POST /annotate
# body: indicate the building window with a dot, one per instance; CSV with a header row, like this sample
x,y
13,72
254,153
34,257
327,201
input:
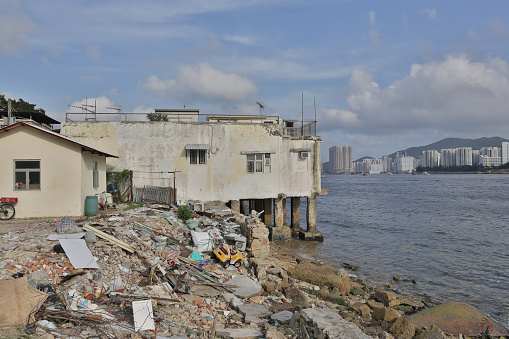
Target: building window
x,y
27,174
257,162
95,175
198,156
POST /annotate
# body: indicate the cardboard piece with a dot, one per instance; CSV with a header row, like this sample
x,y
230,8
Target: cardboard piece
x,y
18,302
143,315
78,253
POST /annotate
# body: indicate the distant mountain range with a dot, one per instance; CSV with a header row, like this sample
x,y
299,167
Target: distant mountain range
x,y
476,144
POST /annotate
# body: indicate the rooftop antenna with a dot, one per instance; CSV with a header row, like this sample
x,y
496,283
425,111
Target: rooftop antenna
x,y
116,108
84,107
261,107
302,110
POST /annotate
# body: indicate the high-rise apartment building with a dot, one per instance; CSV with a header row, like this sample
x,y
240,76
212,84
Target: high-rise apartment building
x,y
430,158
464,156
340,159
505,152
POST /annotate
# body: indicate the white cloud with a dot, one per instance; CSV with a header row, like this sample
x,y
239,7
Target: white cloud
x,y
93,52
203,82
371,16
430,13
240,39
455,95
16,28
143,109
92,78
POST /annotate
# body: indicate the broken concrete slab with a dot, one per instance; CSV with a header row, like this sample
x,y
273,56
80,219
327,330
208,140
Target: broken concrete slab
x,y
256,310
282,317
239,333
247,287
329,324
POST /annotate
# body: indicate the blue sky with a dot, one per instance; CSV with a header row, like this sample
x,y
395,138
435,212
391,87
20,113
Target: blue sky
x,y
386,75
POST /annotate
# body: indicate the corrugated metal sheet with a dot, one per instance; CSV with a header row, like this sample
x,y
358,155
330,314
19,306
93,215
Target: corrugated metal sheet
x,y
198,146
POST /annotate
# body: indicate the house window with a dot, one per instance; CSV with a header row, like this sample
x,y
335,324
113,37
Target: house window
x,y
95,175
27,174
257,162
198,156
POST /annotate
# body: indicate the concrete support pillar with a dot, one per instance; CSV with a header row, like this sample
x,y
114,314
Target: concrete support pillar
x,y
279,211
245,207
295,214
280,232
311,233
258,205
267,216
235,206
311,213
284,212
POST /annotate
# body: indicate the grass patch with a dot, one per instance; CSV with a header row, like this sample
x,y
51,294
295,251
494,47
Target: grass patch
x,y
15,333
133,206
322,275
357,291
330,297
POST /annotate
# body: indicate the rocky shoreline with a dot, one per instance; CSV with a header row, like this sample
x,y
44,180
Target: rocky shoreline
x,y
276,294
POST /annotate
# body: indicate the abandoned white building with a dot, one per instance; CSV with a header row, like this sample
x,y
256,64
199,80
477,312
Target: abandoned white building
x,y
252,162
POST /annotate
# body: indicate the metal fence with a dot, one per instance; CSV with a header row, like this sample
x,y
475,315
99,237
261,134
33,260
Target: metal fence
x,y
296,128
162,195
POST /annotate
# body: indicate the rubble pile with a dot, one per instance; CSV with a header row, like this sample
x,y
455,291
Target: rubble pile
x,y
145,273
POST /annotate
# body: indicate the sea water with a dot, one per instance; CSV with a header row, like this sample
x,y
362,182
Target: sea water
x,y
449,232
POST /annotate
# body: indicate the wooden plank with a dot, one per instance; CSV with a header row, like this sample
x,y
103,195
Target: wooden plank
x,y
111,238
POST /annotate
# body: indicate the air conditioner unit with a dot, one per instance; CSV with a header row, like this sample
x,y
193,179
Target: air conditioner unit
x,y
304,155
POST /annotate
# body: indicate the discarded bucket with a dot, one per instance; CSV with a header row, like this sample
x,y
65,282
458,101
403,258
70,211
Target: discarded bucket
x,y
91,205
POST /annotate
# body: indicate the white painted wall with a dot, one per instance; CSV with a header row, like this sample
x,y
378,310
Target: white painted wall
x,y
62,169
152,149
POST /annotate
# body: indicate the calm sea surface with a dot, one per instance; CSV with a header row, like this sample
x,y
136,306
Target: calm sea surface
x,y
450,232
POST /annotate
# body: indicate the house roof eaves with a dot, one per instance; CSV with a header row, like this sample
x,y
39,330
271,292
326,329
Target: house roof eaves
x,y
60,136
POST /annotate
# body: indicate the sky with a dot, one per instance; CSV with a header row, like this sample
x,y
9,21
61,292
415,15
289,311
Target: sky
x,y
385,75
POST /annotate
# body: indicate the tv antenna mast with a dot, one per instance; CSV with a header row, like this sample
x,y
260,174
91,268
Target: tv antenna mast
x,y
262,107
84,107
117,108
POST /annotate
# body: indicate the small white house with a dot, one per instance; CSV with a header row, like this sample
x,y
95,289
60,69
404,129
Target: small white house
x,y
50,174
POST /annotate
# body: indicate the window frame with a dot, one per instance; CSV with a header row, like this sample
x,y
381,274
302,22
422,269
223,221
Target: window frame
x,y
258,163
95,175
27,171
197,156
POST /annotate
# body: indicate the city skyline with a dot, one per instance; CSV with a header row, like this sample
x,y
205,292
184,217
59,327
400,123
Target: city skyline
x,y
384,75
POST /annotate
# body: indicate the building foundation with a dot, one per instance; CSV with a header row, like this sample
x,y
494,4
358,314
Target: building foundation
x,y
311,232
295,217
267,214
280,232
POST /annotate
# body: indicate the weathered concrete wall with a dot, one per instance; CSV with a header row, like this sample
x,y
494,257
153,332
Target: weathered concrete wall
x,y
152,149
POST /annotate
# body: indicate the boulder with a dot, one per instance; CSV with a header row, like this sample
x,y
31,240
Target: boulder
x,y
385,314
403,328
322,275
384,297
455,318
431,332
361,309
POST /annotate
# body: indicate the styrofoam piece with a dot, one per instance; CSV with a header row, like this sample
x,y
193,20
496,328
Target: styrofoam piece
x,y
143,315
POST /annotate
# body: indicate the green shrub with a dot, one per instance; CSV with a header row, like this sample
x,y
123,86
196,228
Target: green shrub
x,y
133,206
184,213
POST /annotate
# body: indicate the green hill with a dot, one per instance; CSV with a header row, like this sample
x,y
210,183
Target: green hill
x,y
476,144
